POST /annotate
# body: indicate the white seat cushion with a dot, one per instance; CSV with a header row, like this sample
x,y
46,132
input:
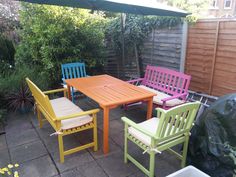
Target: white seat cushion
x,y
149,125
157,99
64,107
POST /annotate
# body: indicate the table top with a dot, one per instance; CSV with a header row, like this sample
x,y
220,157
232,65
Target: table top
x,y
108,91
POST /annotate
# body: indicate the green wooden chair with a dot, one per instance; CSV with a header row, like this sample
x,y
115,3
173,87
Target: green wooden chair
x,y
170,128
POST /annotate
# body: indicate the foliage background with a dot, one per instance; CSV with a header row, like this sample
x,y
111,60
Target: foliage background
x,y
53,35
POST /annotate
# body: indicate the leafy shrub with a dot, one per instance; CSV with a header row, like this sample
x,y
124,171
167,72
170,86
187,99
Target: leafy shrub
x,y
7,52
13,81
3,113
14,94
53,35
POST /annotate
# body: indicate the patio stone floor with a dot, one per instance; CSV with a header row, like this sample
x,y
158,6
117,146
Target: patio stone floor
x,y
37,152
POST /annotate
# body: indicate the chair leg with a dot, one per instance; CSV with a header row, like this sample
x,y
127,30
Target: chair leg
x,y
39,116
125,144
95,135
152,164
72,94
61,148
185,150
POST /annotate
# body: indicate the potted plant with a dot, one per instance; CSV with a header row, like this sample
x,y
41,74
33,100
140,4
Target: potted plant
x,y
21,99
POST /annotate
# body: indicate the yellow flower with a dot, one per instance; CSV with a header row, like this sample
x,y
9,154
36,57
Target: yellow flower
x,y
16,165
5,169
16,174
10,166
1,171
9,173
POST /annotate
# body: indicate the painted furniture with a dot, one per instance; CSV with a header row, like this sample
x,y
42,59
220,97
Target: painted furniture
x,y
170,86
170,128
110,92
64,116
72,70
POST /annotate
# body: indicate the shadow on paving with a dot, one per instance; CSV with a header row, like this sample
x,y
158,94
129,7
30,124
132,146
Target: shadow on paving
x,y
38,156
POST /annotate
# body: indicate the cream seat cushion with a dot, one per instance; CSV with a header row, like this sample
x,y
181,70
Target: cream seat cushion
x,y
64,107
149,125
157,99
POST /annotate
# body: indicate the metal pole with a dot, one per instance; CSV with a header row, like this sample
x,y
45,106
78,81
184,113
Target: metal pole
x,y
183,45
123,16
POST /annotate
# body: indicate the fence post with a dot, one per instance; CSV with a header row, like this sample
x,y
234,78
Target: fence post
x,y
214,57
183,45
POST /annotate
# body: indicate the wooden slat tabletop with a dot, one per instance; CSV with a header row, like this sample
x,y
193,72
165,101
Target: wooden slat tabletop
x,y
107,90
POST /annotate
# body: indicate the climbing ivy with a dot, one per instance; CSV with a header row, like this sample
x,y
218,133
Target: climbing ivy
x,y
136,29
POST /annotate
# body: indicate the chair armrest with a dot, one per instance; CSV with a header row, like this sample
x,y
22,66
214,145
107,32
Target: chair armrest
x,y
173,97
136,126
55,91
93,111
135,81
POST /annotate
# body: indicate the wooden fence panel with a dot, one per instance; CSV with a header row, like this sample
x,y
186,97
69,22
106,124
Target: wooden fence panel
x,y
211,57
163,48
224,80
199,54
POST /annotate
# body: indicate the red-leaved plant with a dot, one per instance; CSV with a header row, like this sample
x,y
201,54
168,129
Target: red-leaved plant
x,y
20,100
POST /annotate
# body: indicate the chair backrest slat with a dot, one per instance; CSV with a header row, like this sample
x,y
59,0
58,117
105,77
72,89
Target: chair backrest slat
x,y
73,70
177,120
166,80
42,100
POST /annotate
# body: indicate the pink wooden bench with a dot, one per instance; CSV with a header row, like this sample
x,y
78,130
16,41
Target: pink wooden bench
x,y
170,86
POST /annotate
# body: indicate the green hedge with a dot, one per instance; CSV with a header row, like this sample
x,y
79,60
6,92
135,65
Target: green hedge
x,y
52,35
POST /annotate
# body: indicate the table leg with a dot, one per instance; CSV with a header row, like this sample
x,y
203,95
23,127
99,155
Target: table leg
x,y
149,108
105,130
69,92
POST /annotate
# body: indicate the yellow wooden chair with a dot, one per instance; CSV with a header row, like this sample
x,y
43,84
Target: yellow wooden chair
x,y
64,116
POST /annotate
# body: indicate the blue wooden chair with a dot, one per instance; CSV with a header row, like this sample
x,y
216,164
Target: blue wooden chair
x,y
72,70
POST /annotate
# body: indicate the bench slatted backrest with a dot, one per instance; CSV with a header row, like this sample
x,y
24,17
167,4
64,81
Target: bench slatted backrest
x,y
166,80
73,70
43,102
176,121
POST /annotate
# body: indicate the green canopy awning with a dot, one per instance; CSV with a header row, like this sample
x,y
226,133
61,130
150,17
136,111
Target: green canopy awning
x,y
142,7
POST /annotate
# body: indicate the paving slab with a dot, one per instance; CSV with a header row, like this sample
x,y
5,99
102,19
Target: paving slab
x,y
4,157
40,167
85,137
34,120
91,169
18,126
116,126
138,174
3,142
114,165
72,160
27,152
51,143
165,163
45,131
16,139
72,173
118,139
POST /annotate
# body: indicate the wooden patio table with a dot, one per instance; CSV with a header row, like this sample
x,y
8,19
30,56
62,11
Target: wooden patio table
x,y
110,92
